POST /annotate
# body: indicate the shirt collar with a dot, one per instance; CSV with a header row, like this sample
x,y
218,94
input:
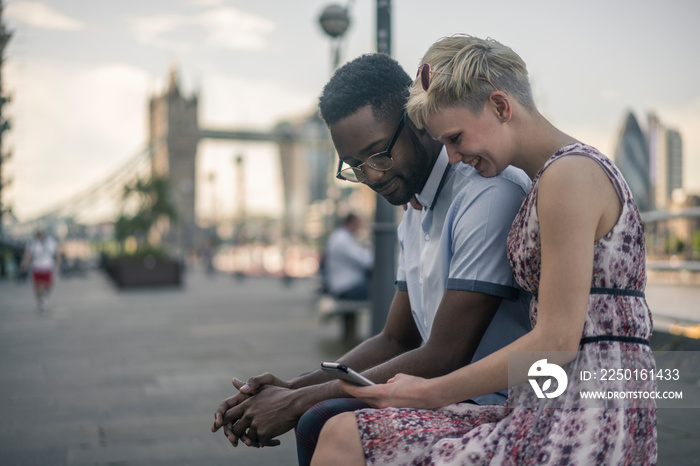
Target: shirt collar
x,y
434,184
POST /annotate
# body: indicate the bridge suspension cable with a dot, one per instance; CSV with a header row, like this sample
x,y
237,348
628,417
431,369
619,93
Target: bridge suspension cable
x,y
106,189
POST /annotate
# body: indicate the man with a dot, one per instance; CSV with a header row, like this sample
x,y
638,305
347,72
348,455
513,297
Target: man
x,y
346,262
41,255
456,299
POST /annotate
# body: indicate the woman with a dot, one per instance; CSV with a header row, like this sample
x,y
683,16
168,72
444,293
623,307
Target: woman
x,y
577,245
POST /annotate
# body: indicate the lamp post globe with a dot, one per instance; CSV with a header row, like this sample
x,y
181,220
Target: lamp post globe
x,y
334,20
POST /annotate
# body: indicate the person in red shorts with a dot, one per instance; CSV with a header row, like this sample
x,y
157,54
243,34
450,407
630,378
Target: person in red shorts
x,y
41,256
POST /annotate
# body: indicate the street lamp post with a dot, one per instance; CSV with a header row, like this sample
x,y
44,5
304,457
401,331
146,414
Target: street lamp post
x,y
334,21
214,213
240,240
384,274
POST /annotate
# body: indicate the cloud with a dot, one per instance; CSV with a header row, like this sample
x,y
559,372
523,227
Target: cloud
x,y
241,102
95,123
41,16
234,29
151,29
224,27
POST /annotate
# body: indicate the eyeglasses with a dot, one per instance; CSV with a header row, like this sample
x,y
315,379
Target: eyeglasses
x,y
426,73
381,161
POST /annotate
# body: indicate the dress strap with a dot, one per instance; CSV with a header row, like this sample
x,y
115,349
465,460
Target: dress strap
x,y
620,338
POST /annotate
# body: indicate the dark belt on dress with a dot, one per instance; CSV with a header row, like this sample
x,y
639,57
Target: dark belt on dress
x,y
618,292
620,338
610,291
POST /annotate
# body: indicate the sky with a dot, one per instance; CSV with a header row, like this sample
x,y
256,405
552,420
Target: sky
x,y
80,73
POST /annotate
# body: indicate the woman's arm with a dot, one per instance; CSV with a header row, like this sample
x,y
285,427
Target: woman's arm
x,y
577,204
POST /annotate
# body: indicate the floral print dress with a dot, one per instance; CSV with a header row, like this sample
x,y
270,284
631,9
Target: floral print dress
x,y
616,331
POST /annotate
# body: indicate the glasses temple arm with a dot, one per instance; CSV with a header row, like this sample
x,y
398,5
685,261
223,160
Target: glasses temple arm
x,y
338,173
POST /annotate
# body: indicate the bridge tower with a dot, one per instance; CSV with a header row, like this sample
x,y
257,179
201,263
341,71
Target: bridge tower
x,y
303,147
173,134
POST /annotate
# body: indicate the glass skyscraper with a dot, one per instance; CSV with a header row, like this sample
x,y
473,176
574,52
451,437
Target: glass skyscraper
x,y
632,158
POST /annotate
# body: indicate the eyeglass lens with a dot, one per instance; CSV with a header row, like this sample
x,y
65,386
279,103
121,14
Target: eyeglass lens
x,y
381,161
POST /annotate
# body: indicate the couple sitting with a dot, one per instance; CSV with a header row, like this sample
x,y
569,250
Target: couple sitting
x,y
476,233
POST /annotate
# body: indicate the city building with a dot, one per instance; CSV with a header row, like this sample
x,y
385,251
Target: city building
x,y
311,195
666,162
651,161
632,158
674,148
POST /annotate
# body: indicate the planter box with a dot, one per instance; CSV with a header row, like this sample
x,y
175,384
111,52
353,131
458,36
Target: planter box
x,y
146,272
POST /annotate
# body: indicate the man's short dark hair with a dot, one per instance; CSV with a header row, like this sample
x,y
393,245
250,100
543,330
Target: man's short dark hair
x,y
373,79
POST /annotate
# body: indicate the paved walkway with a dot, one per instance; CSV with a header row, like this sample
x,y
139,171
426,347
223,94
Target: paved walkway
x,y
110,377
132,378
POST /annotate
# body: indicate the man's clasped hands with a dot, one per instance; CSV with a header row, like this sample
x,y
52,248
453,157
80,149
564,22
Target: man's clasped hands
x,y
258,413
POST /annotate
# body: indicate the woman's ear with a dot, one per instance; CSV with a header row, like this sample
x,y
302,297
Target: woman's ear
x,y
501,105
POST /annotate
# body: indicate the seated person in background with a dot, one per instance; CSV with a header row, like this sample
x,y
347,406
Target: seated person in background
x,y
347,264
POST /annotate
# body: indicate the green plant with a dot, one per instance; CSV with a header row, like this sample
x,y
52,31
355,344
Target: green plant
x,y
696,242
151,200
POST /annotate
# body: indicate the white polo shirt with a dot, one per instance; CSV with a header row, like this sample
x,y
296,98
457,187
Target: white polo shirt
x,y
458,242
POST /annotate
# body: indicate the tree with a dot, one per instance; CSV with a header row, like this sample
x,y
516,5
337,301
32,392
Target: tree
x,y
696,242
152,200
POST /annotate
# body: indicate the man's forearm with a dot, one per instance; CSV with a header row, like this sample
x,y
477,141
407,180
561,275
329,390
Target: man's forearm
x,y
386,363
371,352
367,354
422,362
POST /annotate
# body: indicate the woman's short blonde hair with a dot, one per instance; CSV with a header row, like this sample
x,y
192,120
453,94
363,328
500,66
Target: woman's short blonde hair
x,y
463,71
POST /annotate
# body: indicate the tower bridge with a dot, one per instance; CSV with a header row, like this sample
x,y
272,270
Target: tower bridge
x,y
304,152
173,136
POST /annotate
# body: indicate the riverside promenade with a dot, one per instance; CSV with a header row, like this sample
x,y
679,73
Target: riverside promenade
x,y
109,377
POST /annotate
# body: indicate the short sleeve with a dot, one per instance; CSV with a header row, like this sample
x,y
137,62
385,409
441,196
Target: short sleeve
x,y
481,220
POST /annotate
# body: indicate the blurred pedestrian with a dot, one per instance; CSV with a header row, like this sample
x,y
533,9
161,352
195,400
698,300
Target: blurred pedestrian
x,y
41,258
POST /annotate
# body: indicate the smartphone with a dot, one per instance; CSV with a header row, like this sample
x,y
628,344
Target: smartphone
x,y
341,371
